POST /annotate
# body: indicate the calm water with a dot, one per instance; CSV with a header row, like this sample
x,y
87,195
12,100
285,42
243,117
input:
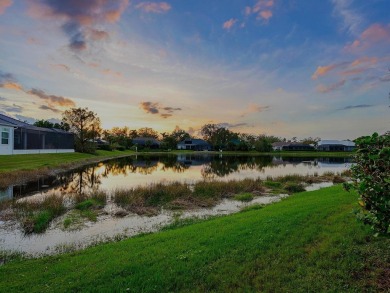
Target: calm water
x,y
144,170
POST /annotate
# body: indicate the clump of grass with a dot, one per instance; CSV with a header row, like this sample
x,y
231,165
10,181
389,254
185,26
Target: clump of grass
x,y
36,215
338,179
155,195
245,196
293,187
272,184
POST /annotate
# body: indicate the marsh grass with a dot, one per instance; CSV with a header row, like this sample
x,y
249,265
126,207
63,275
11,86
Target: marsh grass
x,y
245,196
177,196
36,215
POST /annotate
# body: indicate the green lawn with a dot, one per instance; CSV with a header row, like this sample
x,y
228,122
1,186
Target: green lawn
x,y
309,242
37,161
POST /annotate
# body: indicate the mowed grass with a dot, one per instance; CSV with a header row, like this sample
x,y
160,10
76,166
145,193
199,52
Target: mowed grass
x,y
309,242
36,161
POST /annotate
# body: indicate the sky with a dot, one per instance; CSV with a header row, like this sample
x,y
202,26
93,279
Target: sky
x,y
289,68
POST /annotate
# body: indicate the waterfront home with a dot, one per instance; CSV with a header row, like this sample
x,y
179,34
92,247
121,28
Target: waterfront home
x,y
292,146
194,144
335,145
146,142
19,137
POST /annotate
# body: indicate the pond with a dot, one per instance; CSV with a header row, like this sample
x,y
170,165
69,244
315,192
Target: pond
x,y
111,221
146,169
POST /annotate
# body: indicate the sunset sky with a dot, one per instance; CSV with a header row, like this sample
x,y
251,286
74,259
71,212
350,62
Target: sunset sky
x,y
290,68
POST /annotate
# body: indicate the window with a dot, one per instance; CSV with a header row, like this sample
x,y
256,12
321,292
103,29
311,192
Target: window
x,y
4,136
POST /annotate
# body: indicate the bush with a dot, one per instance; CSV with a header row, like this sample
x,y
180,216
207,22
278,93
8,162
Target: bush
x,y
293,187
371,180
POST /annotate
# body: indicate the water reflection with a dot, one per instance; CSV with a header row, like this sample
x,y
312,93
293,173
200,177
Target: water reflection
x,y
141,170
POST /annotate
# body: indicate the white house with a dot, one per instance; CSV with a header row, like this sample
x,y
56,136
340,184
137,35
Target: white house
x,y
18,137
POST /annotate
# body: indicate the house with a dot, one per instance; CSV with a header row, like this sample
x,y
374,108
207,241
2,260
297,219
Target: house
x,y
277,146
19,137
336,145
291,146
194,144
149,142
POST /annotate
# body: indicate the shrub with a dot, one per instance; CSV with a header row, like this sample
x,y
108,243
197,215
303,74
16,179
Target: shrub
x,y
371,180
293,187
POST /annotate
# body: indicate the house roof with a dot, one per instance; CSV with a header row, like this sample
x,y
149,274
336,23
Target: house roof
x,y
336,142
195,141
145,139
280,143
8,121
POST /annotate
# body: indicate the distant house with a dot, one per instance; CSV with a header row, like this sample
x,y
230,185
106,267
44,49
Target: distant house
x,y
335,145
277,146
149,142
194,144
19,137
291,146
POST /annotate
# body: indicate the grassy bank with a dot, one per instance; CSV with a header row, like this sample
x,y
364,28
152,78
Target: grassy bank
x,y
308,242
37,161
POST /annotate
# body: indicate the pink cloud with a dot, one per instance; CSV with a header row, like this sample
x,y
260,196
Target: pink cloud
x,y
364,60
376,33
263,9
327,89
353,71
323,70
227,25
154,7
4,4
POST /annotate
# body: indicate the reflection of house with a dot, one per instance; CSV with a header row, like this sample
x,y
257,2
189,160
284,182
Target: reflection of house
x,y
291,146
192,159
22,138
149,142
194,144
336,145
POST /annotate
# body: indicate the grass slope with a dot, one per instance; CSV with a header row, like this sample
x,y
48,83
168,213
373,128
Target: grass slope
x,y
308,242
36,161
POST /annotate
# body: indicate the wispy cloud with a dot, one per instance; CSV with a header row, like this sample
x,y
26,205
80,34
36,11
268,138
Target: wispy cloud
x,y
4,4
227,25
52,100
80,17
253,108
324,89
8,81
44,107
352,21
323,70
374,34
154,7
156,108
356,107
232,125
12,109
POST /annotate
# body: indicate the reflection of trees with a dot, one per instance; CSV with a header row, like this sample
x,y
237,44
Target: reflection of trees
x,y
223,166
80,181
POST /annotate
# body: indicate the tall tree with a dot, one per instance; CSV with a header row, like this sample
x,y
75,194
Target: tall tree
x,y
147,132
85,124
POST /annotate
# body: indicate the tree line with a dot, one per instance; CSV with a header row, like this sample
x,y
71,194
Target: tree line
x,y
86,126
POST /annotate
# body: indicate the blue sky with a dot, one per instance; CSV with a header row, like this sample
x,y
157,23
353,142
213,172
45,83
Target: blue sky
x,y
290,68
